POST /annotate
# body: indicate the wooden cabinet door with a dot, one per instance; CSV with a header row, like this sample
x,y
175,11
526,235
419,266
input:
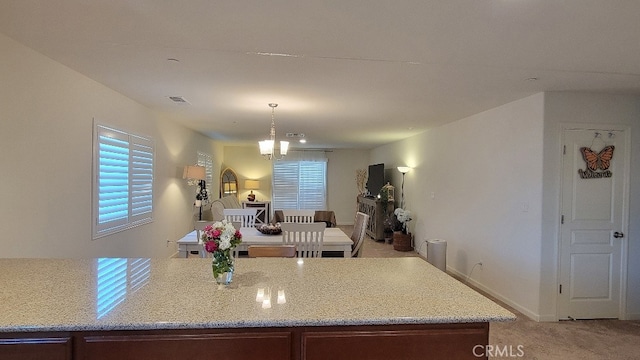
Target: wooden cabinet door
x,y
168,346
442,342
35,348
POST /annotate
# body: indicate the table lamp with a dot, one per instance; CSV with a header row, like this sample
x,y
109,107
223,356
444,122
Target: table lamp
x,y
252,185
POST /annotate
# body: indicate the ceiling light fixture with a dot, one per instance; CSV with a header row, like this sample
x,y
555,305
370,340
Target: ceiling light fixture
x,y
267,147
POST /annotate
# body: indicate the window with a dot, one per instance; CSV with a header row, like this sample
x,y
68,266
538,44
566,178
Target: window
x,y
206,161
123,188
300,183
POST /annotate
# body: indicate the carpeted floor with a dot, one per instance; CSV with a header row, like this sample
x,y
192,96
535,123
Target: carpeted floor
x,y
582,339
528,339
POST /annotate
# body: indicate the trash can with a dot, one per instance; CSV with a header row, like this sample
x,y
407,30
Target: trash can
x,y
437,253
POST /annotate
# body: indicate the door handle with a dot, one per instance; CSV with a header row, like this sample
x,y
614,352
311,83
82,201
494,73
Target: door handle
x,y
618,235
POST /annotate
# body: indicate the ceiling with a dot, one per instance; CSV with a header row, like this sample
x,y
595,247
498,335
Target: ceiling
x,y
346,73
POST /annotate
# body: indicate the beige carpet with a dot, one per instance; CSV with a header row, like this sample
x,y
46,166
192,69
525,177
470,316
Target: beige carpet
x,y
582,339
527,339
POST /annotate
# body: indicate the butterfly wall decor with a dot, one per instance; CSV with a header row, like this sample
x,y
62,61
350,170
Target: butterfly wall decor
x,y
595,161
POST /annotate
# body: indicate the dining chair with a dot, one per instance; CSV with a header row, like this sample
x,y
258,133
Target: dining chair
x,y
299,216
246,217
288,251
307,238
359,233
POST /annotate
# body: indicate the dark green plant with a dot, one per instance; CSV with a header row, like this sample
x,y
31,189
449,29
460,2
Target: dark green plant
x,y
389,223
384,195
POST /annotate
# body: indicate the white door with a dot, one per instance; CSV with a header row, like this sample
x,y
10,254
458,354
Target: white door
x,y
592,224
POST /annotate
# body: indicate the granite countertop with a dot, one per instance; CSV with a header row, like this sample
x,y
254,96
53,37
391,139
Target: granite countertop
x,y
142,294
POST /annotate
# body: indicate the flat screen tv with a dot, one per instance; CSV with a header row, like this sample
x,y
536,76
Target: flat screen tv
x,y
375,182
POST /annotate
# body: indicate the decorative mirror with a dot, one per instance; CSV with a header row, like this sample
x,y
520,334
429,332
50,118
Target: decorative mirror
x,y
228,183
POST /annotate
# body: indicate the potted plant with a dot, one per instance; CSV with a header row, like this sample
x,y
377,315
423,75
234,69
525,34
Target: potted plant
x,y
401,236
388,228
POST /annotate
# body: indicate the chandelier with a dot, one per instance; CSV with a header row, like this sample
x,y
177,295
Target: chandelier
x,y
267,147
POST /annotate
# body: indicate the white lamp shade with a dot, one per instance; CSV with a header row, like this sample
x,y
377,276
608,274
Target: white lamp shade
x,y
404,169
195,172
266,147
252,184
284,147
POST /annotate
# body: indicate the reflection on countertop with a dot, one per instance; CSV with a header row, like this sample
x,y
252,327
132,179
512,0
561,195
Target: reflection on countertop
x,y
115,278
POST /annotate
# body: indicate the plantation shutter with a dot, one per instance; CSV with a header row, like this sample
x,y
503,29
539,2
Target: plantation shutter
x,y
285,185
312,185
113,179
123,190
300,183
141,178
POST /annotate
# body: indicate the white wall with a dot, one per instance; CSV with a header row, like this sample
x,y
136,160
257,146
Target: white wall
x,y
46,132
584,108
485,173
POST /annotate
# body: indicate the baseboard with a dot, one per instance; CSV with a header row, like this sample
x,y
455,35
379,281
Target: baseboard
x,y
474,284
547,318
421,248
633,316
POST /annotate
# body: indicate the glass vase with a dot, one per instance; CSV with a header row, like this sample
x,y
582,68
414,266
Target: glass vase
x,y
222,266
225,278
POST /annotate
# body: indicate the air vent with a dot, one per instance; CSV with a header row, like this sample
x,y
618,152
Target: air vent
x,y
300,135
178,100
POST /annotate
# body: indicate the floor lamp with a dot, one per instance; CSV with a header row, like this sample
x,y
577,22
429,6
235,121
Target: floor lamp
x,y
403,170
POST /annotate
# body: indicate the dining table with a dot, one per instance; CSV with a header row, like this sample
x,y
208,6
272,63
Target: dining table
x,y
335,241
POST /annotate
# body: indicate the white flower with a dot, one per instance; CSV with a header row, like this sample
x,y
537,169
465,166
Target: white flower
x,y
225,242
403,215
229,227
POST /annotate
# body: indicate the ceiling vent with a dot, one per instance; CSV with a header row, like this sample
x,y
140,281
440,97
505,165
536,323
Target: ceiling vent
x,y
178,100
290,135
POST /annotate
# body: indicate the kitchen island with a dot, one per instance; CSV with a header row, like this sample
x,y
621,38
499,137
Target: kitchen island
x,y
327,308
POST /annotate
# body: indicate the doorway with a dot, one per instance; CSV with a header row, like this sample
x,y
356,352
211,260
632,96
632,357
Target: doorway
x,y
594,208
